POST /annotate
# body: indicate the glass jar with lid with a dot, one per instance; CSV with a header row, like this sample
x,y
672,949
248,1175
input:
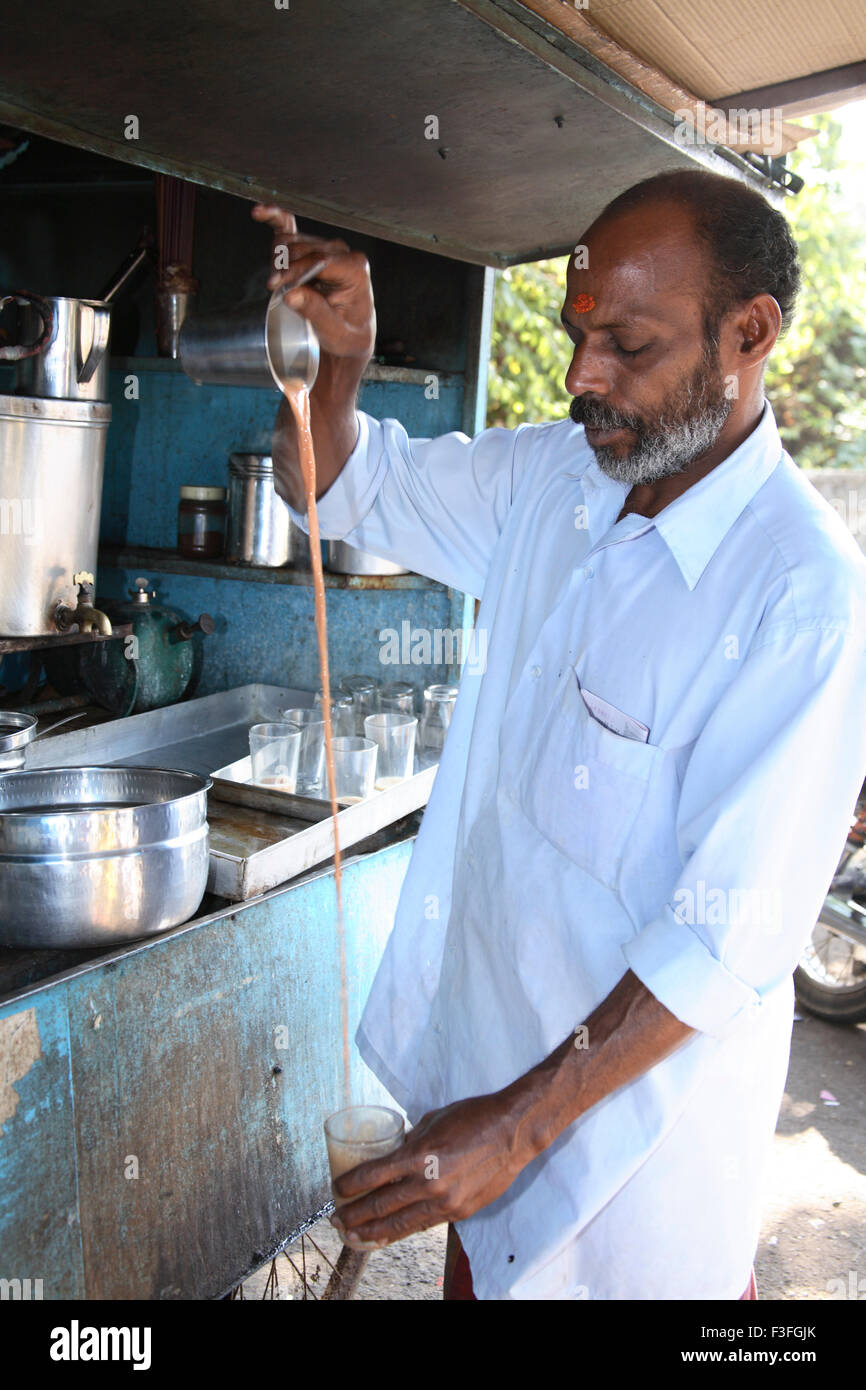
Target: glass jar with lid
x,y
201,522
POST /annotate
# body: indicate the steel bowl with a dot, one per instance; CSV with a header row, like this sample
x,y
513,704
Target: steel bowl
x,y
95,856
346,559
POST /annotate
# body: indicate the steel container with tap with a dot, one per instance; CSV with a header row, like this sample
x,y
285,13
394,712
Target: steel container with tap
x,y
52,454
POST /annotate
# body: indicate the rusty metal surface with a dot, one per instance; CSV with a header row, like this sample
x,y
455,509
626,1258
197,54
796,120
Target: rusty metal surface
x,y
253,850
162,1110
328,106
74,639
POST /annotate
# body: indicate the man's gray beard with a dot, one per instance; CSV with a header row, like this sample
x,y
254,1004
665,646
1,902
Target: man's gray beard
x,y
691,428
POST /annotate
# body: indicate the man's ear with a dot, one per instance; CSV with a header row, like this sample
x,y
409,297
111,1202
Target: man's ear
x,y
758,325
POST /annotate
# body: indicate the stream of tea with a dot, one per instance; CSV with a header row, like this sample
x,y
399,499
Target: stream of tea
x,y
298,396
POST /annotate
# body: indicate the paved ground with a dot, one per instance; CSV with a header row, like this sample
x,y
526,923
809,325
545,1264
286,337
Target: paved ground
x,y
813,1242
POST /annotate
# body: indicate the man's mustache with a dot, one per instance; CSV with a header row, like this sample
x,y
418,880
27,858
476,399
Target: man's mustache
x,y
585,411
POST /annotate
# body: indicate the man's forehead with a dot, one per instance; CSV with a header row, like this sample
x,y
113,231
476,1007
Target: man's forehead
x,y
648,266
629,289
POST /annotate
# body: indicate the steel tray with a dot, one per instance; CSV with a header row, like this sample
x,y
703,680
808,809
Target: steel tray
x,y
253,846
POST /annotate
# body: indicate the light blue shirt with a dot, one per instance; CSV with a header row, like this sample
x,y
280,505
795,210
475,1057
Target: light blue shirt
x,y
656,772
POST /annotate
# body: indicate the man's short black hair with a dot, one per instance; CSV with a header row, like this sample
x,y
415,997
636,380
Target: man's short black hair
x,y
751,245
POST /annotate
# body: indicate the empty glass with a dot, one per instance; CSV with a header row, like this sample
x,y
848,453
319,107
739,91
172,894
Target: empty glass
x,y
397,696
274,753
395,735
342,712
354,767
439,703
311,763
357,1135
363,692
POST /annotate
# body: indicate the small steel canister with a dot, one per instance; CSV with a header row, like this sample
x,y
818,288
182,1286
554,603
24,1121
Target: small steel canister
x,y
260,527
16,731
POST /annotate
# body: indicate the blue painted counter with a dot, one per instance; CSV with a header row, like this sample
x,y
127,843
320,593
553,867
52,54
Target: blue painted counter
x,y
161,1110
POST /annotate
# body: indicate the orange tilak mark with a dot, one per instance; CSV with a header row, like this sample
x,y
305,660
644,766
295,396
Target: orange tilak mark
x,y
583,303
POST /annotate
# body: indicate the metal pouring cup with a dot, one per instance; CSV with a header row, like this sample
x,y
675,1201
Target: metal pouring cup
x,y
261,344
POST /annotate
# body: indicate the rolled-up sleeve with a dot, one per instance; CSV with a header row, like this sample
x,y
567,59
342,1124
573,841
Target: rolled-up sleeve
x,y
765,805
436,506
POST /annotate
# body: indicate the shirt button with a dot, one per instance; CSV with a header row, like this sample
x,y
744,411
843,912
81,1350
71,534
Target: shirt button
x,y
535,672
588,572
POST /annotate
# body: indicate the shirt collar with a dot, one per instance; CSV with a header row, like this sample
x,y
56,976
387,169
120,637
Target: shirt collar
x,y
694,525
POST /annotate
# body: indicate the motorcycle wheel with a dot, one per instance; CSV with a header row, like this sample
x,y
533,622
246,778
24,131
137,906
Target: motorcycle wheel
x,y
830,980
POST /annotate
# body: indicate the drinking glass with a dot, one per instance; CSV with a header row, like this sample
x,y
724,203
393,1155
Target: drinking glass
x,y
397,696
395,735
439,703
363,692
342,712
357,1135
354,767
311,763
274,753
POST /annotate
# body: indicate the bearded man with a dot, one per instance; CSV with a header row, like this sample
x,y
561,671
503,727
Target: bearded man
x,y
642,798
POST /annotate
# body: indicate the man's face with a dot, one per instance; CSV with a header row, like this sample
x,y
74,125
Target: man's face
x,y
647,384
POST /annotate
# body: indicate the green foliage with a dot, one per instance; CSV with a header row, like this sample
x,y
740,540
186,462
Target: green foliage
x,y
816,378
530,352
817,375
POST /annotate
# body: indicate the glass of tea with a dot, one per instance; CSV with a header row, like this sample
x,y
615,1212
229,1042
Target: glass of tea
x,y
357,1135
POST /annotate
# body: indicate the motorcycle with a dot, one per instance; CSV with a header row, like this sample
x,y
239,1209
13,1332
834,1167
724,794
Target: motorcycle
x,y
830,980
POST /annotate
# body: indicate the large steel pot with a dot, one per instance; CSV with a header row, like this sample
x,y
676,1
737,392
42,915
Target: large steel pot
x,y
51,461
95,856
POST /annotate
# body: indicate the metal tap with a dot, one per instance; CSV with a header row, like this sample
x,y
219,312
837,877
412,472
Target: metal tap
x,y
87,618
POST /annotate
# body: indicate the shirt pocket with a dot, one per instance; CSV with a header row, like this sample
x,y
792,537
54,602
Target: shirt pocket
x,y
580,784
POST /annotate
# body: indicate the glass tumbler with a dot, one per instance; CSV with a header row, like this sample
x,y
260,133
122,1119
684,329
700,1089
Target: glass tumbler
x,y
311,763
354,767
342,712
398,696
357,1135
274,753
439,701
395,735
363,691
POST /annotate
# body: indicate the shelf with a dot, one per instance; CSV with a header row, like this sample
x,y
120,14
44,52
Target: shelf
x,y
64,639
376,371
146,559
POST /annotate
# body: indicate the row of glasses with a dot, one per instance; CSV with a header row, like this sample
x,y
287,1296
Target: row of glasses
x,y
290,756
361,696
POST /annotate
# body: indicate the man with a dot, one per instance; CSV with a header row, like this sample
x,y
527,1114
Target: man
x,y
585,1004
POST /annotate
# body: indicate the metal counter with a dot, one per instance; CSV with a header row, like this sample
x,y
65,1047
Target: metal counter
x,y
161,1107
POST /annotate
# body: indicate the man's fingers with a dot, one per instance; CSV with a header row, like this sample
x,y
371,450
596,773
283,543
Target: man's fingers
x,y
384,1201
298,273
418,1217
300,269
389,1169
278,218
